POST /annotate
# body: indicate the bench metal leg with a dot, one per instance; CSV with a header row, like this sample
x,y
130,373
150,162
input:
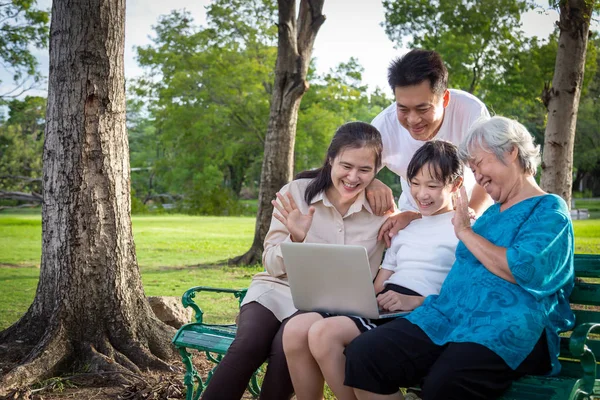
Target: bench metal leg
x,y
191,376
253,386
216,360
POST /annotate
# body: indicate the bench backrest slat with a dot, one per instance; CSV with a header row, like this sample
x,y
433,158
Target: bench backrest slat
x,y
586,293
594,345
587,265
583,316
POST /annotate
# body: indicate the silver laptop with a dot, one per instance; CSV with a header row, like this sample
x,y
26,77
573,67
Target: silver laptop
x,y
332,278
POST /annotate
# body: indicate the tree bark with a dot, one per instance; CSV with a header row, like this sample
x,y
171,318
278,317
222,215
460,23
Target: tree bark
x,y
562,99
89,309
295,43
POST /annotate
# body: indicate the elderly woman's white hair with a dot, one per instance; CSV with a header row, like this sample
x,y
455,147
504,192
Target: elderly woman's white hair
x,y
499,135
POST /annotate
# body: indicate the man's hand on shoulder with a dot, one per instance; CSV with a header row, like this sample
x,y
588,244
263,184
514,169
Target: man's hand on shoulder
x,y
394,223
380,197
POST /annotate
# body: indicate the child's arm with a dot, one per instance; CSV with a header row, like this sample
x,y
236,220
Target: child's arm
x,y
393,301
382,276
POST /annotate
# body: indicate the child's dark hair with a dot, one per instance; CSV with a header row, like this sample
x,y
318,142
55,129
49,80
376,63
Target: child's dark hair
x,y
353,135
441,157
418,66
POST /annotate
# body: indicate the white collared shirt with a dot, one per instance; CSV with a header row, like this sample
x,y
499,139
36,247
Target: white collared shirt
x,y
359,226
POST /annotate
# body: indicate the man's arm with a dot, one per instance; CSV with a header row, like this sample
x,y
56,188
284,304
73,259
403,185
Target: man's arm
x,y
480,200
380,197
394,223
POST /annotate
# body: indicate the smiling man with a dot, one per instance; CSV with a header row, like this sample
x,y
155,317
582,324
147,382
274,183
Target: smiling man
x,y
424,109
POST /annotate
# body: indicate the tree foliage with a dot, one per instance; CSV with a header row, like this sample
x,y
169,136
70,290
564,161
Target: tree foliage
x,y
475,37
21,143
22,25
208,91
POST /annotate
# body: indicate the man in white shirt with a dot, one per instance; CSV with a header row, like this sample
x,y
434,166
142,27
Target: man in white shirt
x,y
424,109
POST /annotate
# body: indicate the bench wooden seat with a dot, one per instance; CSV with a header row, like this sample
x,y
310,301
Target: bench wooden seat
x,y
579,355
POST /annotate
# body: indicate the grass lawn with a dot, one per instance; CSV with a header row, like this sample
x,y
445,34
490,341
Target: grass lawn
x,y
175,252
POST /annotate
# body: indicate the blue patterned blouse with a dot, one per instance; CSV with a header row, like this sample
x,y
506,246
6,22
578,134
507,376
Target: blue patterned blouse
x,y
477,306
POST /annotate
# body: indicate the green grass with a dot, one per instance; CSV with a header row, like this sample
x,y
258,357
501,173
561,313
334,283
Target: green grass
x,y
174,253
166,240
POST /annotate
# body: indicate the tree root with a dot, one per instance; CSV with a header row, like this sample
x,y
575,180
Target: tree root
x,y
122,359
40,363
251,257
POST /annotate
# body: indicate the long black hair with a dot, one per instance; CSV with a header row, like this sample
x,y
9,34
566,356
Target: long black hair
x,y
442,159
353,135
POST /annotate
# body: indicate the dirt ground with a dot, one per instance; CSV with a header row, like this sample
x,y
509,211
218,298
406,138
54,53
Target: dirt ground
x,y
150,385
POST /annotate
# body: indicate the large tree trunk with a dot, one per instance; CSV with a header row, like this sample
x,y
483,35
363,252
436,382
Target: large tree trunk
x,y
89,309
562,100
296,39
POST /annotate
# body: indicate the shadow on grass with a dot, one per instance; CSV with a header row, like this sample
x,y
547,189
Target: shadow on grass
x,y
212,265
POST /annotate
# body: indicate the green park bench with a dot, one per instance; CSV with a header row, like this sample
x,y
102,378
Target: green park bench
x,y
579,354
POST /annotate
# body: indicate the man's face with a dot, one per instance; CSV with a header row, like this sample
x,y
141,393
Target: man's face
x,y
419,110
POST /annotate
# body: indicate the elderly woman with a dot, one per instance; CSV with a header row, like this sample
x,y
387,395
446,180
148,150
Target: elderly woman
x,y
505,300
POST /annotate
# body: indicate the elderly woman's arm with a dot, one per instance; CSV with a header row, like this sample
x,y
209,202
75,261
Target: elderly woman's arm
x,y
491,256
540,258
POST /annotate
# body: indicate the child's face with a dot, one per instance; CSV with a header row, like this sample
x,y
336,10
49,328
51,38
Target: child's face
x,y
433,197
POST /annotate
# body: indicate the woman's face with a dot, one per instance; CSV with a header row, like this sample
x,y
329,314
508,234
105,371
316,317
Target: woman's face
x,y
352,171
433,197
496,177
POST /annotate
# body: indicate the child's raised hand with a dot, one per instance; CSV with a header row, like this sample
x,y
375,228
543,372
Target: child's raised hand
x,y
289,215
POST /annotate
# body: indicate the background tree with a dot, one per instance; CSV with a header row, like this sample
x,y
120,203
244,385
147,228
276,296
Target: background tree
x,y
89,310
586,153
295,42
208,90
562,99
21,142
21,26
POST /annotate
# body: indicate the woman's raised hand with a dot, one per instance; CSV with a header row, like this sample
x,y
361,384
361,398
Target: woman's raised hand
x,y
289,215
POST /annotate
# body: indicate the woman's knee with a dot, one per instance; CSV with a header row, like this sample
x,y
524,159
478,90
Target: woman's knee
x,y
253,348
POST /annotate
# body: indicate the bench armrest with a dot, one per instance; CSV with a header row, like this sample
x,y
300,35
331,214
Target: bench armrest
x,y
188,297
579,350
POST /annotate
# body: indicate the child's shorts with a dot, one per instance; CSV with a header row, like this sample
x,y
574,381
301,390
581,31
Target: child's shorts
x,y
366,324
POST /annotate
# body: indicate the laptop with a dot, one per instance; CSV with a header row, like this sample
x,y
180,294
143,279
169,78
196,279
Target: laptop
x,y
332,278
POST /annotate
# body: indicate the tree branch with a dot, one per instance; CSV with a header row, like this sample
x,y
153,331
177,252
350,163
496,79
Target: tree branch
x,y
4,195
21,178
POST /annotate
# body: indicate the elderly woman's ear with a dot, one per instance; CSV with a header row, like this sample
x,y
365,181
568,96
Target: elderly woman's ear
x,y
512,155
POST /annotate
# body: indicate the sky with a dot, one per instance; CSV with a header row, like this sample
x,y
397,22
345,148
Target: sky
x,y
352,29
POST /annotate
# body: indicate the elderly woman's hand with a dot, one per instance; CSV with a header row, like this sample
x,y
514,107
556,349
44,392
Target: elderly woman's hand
x,y
462,215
